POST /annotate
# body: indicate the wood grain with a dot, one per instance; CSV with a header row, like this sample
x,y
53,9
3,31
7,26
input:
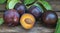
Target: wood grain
x,y
55,5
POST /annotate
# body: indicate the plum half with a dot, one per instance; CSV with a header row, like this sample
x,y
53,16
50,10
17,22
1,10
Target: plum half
x,y
27,21
36,11
20,8
49,18
11,17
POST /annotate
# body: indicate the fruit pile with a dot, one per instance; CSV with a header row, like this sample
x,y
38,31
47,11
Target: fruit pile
x,y
27,12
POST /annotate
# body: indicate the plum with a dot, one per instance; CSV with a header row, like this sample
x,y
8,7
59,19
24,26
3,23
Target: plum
x,y
36,11
11,17
49,18
27,21
20,8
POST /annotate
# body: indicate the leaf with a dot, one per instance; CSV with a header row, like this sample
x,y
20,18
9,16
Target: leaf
x,y
2,1
36,4
1,21
45,4
57,26
42,0
11,4
27,2
28,6
58,30
8,1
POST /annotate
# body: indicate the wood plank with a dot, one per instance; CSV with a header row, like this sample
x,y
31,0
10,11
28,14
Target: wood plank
x,y
2,7
55,5
35,29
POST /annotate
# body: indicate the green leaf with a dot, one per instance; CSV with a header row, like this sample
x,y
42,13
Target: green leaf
x,y
2,1
57,30
42,0
1,21
8,1
27,2
11,4
36,4
45,4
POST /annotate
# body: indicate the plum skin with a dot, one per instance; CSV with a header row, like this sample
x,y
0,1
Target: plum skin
x,y
34,10
11,17
49,18
20,8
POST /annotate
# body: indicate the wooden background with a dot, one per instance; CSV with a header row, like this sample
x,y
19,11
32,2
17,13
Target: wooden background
x,y
38,28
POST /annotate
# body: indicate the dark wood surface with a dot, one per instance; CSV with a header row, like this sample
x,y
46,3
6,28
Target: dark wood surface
x,y
55,4
38,28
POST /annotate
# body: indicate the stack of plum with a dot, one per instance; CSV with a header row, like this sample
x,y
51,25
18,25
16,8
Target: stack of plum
x,y
27,15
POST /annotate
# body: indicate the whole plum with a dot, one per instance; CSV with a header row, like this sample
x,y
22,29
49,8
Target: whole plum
x,y
49,18
11,17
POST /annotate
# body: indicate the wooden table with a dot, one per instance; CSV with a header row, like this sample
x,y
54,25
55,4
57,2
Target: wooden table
x,y
38,28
